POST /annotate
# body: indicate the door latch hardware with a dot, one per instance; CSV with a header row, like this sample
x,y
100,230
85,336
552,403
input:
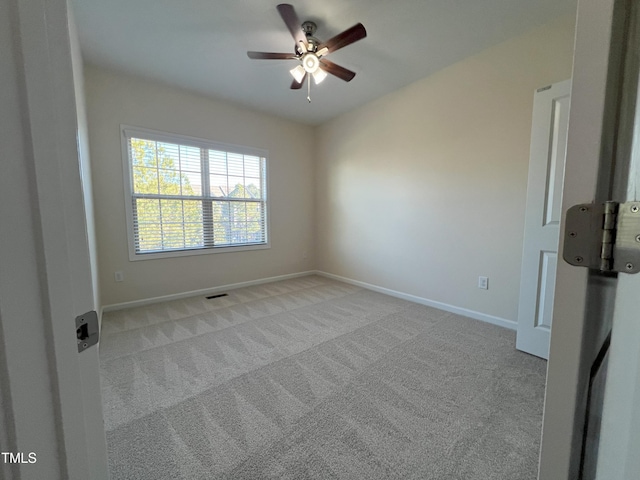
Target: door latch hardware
x,y
87,330
604,237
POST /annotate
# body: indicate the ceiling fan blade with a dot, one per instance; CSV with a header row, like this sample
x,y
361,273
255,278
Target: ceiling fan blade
x,y
270,56
340,72
349,36
295,85
292,22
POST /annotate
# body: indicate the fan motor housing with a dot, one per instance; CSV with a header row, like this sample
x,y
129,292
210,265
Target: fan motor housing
x,y
309,28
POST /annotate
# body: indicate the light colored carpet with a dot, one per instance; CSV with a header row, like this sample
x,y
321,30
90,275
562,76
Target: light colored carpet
x,y
315,379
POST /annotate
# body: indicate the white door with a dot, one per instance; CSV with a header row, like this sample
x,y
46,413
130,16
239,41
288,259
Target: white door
x,y
618,439
50,400
591,423
542,217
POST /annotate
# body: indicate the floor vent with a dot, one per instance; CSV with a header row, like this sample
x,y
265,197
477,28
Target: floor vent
x,y
217,296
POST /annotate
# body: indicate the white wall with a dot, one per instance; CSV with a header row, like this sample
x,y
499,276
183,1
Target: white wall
x,y
424,189
114,99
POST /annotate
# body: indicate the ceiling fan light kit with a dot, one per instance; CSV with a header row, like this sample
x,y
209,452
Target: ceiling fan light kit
x,y
319,75
298,73
310,52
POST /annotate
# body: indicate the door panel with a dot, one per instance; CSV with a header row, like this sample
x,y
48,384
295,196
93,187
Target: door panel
x,y
542,217
556,155
544,307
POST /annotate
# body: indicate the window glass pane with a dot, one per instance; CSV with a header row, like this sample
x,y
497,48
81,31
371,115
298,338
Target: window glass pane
x,y
143,153
254,212
217,162
169,169
238,222
190,160
220,211
193,234
190,170
235,164
239,232
145,180
191,183
238,212
252,166
171,211
221,231
148,210
148,238
254,232
192,211
218,184
172,236
253,189
236,185
169,182
221,236
168,156
178,220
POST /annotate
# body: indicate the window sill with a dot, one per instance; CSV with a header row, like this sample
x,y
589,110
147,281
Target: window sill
x,y
134,257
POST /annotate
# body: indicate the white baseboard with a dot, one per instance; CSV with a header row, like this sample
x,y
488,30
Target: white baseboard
x,y
510,324
502,322
204,291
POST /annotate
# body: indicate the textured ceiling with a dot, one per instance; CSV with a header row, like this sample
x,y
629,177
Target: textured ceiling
x,y
201,45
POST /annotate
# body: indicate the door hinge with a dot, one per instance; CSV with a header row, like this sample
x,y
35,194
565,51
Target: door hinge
x,y
87,330
604,237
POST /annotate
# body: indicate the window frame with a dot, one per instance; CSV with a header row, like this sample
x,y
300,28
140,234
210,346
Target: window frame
x,y
127,131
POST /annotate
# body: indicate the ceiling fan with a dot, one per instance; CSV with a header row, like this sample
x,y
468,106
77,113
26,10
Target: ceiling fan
x,y
310,51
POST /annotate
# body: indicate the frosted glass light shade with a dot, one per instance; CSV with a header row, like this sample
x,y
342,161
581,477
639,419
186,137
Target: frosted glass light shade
x,y
298,73
319,75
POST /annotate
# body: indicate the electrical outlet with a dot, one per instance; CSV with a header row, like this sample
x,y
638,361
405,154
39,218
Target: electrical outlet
x,y
483,282
119,276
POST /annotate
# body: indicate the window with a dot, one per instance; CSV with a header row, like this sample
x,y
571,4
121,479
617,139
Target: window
x,y
187,196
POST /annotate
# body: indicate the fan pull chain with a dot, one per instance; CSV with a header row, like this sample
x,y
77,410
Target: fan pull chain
x,y
309,88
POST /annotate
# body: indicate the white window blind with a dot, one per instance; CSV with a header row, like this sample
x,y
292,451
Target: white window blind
x,y
189,194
